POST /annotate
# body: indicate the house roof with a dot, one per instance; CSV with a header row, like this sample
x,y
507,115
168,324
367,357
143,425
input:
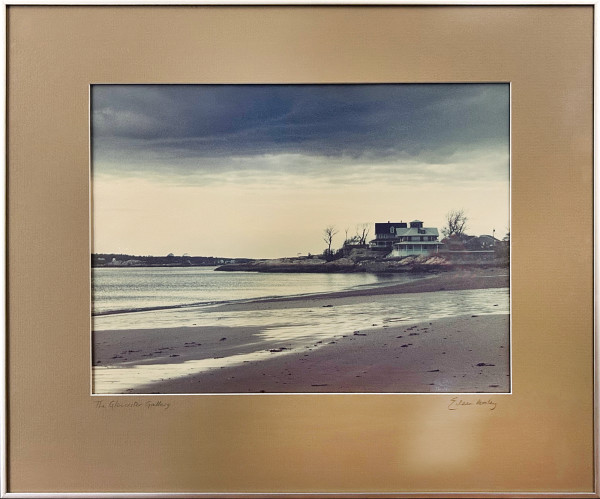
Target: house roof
x,y
414,231
384,228
487,236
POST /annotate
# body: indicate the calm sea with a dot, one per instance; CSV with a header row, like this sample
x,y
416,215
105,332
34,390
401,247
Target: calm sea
x,y
122,290
140,298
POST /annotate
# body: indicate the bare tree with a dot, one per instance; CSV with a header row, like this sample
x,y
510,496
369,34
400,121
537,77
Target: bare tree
x,y
456,223
362,232
328,234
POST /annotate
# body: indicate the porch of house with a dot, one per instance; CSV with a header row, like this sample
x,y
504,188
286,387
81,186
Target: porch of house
x,y
415,249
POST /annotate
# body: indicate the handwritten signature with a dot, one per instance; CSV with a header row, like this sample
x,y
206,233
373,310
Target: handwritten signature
x,y
457,403
117,404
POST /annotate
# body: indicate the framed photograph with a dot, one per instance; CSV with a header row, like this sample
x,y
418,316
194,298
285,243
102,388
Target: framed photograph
x,y
300,250
247,178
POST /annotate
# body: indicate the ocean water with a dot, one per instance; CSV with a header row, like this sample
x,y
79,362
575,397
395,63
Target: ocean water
x,y
124,290
146,298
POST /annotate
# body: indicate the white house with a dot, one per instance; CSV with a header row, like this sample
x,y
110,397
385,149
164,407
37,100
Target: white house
x,y
403,239
416,240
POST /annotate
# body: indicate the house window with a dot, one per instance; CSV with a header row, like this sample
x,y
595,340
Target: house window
x,y
391,230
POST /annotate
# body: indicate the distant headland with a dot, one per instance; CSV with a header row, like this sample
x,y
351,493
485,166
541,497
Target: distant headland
x,y
397,247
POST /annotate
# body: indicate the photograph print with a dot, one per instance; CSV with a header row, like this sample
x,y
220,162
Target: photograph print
x,y
265,239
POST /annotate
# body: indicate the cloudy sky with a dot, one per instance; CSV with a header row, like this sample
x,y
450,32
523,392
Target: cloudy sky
x,y
260,170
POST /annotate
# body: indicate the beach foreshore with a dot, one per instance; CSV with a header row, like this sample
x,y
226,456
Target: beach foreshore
x,y
467,353
446,281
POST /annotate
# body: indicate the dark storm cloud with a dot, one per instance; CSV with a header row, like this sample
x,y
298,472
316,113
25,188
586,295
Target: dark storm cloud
x,y
204,128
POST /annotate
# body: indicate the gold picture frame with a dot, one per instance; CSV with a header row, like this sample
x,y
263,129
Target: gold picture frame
x,y
539,440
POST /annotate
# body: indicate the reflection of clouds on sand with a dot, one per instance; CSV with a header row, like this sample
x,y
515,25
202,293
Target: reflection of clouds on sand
x,y
318,320
326,322
122,379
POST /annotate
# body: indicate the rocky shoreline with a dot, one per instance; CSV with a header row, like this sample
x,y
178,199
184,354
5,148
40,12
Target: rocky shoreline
x,y
349,265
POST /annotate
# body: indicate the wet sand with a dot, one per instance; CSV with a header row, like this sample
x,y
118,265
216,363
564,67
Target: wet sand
x,y
448,281
469,353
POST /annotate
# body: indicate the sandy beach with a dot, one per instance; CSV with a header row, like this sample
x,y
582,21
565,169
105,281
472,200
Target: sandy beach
x,y
398,354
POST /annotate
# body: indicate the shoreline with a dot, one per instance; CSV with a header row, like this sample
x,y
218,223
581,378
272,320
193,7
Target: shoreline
x,y
446,281
268,349
374,264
